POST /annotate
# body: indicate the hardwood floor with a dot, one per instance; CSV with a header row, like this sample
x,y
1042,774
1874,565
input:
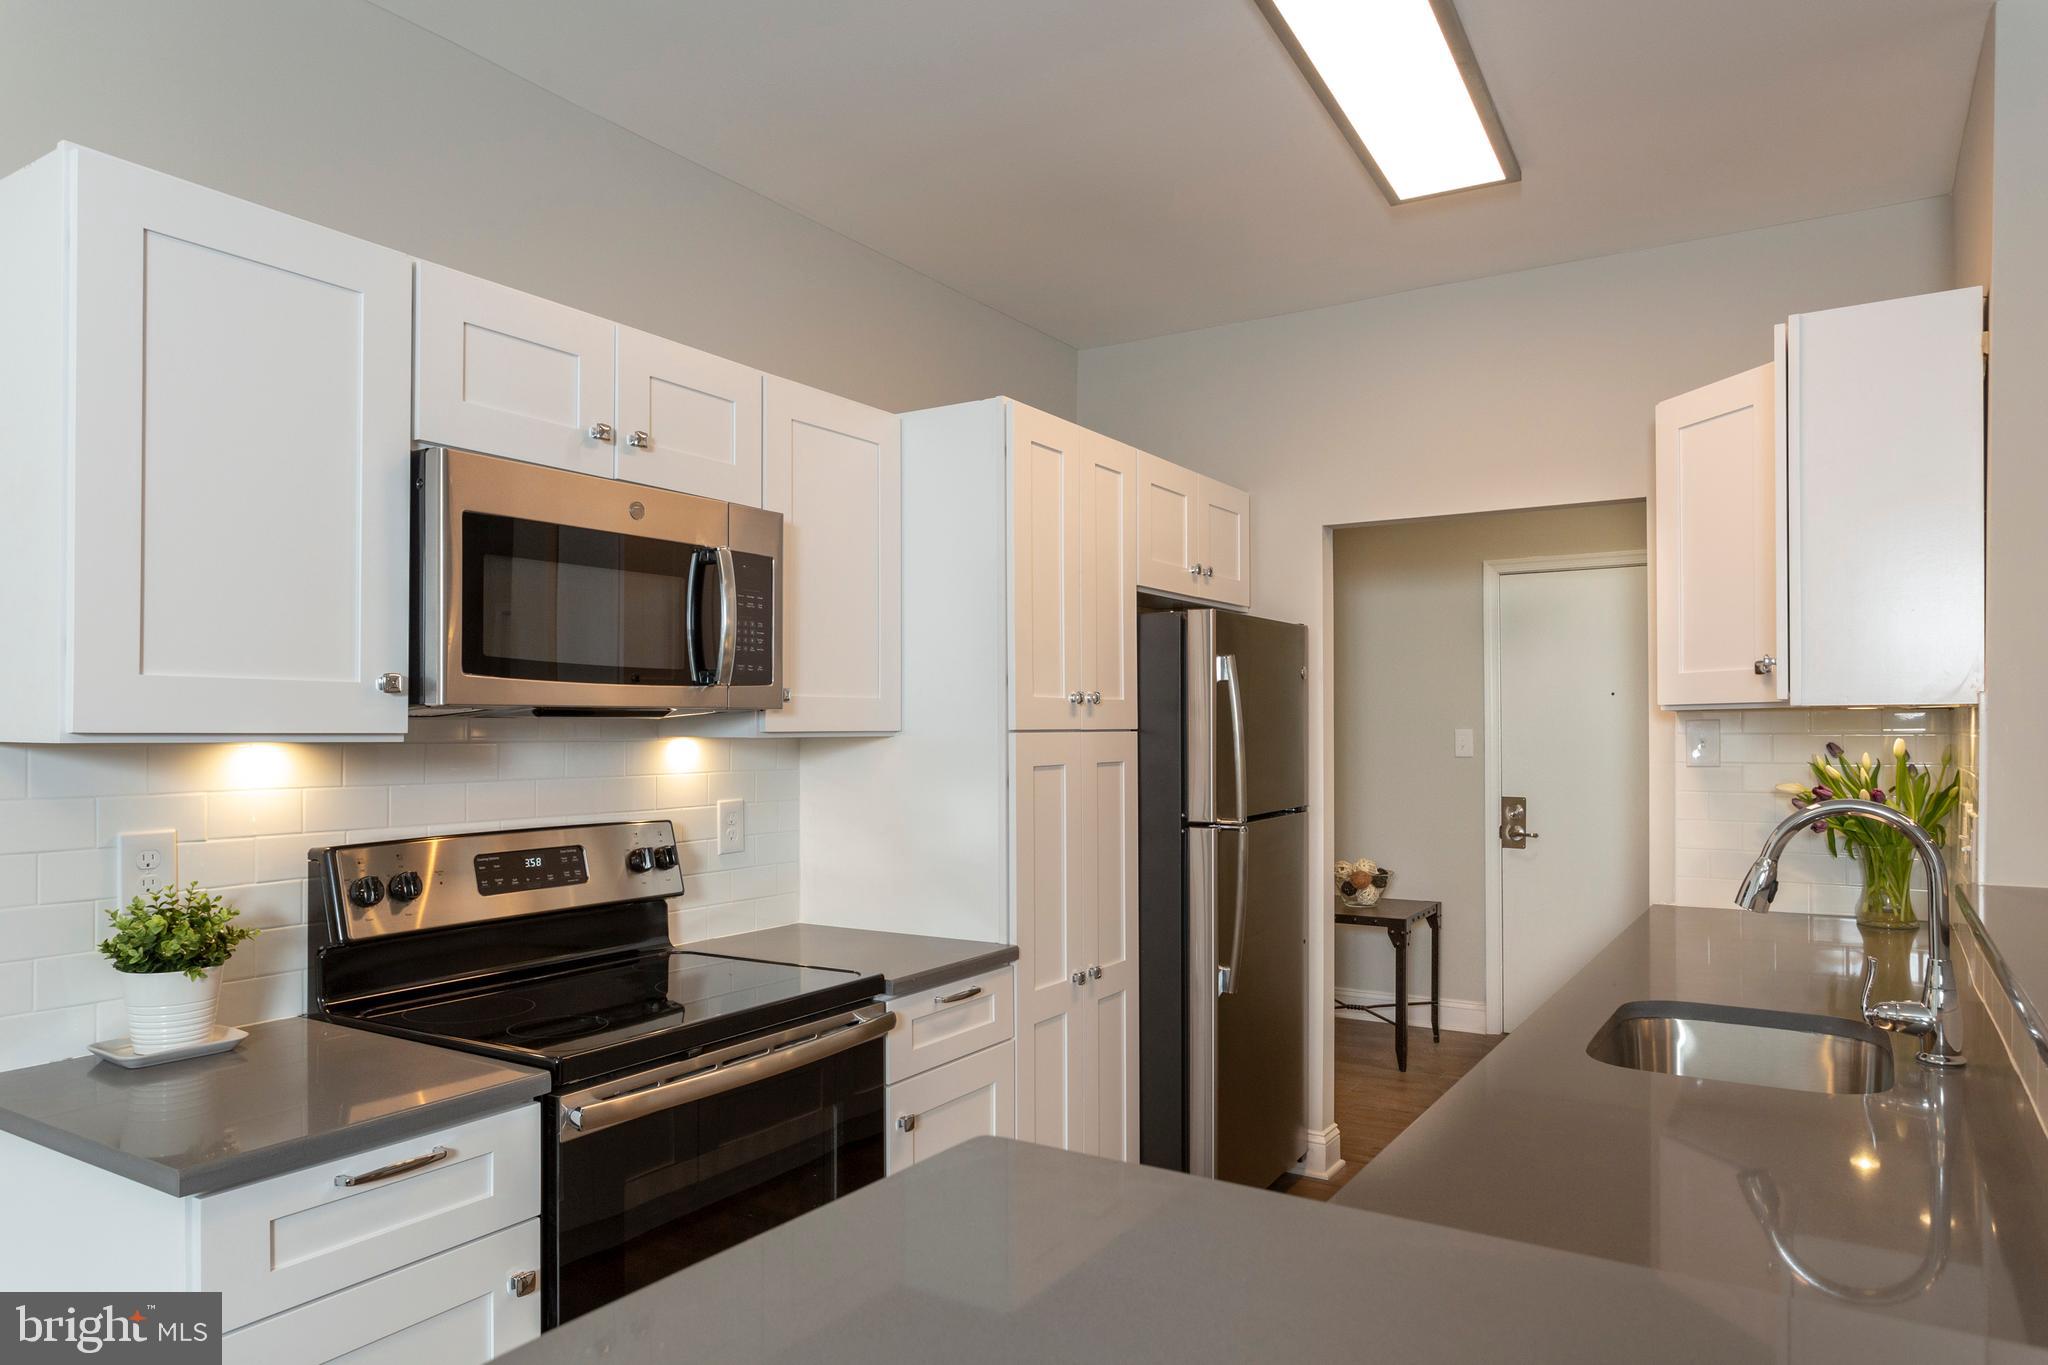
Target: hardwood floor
x,y
1376,1101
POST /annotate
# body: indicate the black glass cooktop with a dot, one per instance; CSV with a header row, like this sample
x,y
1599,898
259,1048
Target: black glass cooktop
x,y
590,1021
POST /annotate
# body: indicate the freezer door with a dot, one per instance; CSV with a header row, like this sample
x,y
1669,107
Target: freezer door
x,y
1257,939
1248,690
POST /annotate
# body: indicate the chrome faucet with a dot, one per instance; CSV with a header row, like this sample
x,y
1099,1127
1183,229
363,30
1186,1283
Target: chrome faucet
x,y
1922,1017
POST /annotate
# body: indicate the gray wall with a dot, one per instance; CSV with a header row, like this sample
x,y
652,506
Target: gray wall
x,y
342,113
1408,652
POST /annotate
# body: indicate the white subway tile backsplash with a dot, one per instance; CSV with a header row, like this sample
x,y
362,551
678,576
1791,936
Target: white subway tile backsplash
x,y
246,814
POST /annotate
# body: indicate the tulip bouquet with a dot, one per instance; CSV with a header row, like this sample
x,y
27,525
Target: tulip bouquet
x,y
1926,798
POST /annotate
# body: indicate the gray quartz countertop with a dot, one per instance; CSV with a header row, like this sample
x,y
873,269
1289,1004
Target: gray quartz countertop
x,y
999,1251
906,962
1926,1202
295,1093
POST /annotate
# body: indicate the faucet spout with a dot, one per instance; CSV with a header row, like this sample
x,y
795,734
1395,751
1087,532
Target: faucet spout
x,y
1925,1017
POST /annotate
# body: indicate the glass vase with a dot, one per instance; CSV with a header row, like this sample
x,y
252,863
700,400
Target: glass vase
x,y
1887,886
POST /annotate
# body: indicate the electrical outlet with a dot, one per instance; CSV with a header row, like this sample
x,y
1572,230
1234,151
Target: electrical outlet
x,y
148,860
1461,744
1703,744
732,826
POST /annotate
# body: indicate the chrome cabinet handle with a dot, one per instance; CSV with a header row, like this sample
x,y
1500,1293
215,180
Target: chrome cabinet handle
x,y
396,1168
1075,698
1095,972
601,431
523,1282
1079,978
391,684
639,440
1094,699
957,996
907,1123
1765,665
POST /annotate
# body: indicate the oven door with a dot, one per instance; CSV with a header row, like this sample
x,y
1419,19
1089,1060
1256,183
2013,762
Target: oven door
x,y
650,1173
542,588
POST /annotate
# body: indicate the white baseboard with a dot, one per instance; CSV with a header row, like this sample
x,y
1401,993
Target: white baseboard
x,y
1325,1153
1460,1016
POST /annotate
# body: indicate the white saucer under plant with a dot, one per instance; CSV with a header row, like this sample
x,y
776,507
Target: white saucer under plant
x,y
169,947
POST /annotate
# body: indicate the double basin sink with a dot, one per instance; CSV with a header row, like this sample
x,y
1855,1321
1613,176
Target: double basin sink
x,y
1809,1052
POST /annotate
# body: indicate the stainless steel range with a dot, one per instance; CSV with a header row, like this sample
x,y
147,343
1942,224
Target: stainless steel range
x,y
698,1099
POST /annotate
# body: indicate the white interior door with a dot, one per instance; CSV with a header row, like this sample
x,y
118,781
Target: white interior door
x,y
1573,665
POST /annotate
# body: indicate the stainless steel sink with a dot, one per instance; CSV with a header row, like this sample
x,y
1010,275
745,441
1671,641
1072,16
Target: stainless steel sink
x,y
1809,1052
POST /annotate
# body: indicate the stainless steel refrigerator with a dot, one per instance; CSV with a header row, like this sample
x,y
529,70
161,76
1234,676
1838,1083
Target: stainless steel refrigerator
x,y
1222,903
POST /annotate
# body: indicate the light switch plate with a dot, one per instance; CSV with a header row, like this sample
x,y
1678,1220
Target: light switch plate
x,y
1461,743
1703,744
732,826
148,862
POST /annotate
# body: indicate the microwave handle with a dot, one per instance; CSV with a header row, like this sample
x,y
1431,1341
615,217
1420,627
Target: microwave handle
x,y
728,616
693,626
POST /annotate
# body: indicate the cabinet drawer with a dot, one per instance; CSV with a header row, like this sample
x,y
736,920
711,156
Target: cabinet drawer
x,y
973,1097
934,1027
453,1309
280,1242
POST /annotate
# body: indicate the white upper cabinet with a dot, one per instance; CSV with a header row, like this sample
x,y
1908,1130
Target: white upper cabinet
x,y
508,374
1720,512
248,577
834,469
1820,520
688,420
1074,561
1194,535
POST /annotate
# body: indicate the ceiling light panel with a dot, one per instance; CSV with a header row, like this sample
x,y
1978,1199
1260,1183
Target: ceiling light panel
x,y
1400,80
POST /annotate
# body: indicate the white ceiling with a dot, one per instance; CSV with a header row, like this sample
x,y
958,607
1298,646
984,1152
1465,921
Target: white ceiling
x,y
1106,170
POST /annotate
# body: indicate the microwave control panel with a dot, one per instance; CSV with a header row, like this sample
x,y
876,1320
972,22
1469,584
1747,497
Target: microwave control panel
x,y
754,645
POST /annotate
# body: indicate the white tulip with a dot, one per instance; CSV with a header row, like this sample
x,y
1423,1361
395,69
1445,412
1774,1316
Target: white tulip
x,y
1898,748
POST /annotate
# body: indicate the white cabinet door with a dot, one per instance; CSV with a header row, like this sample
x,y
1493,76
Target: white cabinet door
x,y
834,469
1720,517
1226,543
240,394
688,420
1047,456
1110,770
1169,499
457,1308
508,374
1052,878
1884,423
1106,490
972,1097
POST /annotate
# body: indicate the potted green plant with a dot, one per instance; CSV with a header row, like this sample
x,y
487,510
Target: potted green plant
x,y
169,947
1923,796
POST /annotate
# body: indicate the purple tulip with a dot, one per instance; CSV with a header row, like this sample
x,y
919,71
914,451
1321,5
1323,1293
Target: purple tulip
x,y
1819,827
1823,794
1835,750
1801,802
1877,795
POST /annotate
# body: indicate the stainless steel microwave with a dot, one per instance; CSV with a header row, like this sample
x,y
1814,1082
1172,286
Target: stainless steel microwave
x,y
540,590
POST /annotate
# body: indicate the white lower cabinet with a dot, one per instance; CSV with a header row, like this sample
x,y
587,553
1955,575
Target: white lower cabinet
x,y
457,1307
972,1097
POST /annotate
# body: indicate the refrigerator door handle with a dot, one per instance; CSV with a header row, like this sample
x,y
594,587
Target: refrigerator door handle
x,y
1226,976
1226,673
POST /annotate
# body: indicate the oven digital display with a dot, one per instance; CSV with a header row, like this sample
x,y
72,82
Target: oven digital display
x,y
530,869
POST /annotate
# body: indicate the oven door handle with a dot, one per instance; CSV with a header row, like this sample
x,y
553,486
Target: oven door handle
x,y
591,1116
693,625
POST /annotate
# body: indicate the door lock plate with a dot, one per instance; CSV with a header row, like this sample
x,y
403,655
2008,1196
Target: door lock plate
x,y
1514,822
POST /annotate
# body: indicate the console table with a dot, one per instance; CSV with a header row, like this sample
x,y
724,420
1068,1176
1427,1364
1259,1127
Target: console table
x,y
1398,918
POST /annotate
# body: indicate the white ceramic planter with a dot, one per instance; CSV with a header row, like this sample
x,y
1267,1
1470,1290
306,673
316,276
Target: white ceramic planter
x,y
170,1009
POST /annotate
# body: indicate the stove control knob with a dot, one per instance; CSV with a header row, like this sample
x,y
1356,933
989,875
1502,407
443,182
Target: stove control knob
x,y
640,860
405,886
665,857
365,891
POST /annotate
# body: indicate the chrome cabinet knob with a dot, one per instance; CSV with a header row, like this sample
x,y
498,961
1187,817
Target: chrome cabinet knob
x,y
391,684
1076,698
1194,571
640,440
1079,978
1208,571
523,1282
1094,699
1765,665
601,431
1095,972
906,1123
